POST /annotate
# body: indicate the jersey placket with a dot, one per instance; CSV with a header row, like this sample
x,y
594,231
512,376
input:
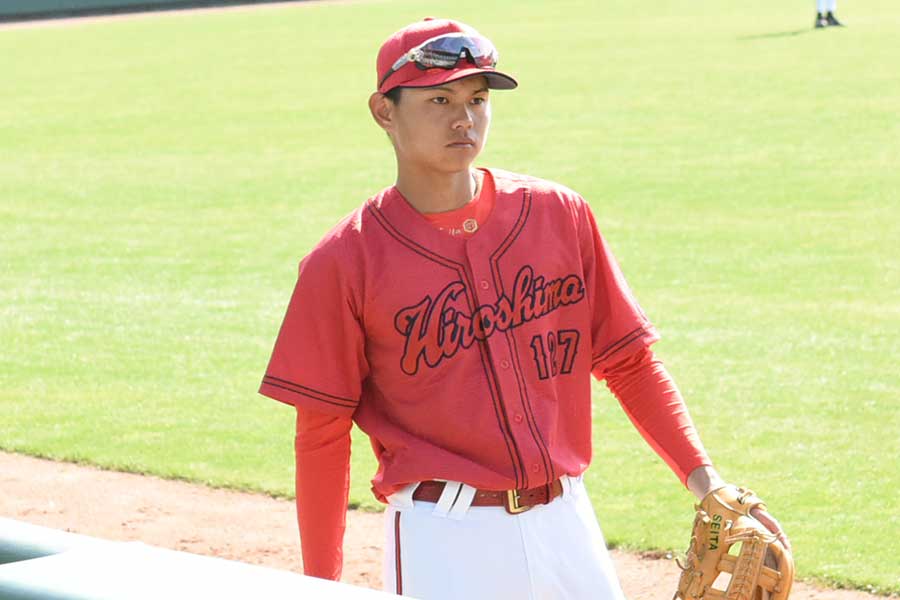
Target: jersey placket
x,y
505,366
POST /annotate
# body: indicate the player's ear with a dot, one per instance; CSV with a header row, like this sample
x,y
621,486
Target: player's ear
x,y
382,110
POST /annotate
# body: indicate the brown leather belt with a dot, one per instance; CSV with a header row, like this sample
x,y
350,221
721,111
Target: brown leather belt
x,y
514,501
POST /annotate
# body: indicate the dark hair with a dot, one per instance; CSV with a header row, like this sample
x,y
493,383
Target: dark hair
x,y
393,94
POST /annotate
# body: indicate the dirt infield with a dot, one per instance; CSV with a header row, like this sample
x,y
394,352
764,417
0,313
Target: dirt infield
x,y
248,527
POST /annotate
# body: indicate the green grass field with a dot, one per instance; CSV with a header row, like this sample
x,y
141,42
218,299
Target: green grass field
x,y
161,177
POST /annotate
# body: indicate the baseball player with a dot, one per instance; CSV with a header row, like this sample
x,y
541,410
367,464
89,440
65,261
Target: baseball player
x,y
825,14
457,317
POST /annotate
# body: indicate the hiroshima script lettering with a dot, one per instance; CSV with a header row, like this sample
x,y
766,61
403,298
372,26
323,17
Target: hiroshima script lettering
x,y
435,330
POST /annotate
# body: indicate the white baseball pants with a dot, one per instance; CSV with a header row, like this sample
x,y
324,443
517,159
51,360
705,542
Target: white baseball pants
x,y
452,551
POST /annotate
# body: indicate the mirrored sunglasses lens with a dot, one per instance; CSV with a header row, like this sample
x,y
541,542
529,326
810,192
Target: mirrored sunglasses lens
x,y
433,57
445,52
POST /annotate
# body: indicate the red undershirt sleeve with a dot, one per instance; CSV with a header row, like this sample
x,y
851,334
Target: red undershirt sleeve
x,y
322,451
651,400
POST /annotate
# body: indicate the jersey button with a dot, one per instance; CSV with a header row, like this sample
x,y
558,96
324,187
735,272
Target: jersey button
x,y
518,418
504,363
535,468
484,284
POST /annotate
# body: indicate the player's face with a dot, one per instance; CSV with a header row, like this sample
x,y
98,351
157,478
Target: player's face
x,y
442,128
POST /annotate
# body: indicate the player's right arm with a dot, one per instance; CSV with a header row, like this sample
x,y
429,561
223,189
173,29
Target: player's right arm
x,y
318,366
322,483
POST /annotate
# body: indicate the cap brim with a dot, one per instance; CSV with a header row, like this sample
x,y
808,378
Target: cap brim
x,y
433,77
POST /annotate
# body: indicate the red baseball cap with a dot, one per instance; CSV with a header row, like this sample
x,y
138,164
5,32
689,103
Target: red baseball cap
x,y
412,75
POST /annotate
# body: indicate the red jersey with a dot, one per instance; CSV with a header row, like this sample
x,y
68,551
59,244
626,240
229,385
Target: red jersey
x,y
466,359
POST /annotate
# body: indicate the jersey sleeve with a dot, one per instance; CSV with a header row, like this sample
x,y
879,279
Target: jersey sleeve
x,y
619,327
319,357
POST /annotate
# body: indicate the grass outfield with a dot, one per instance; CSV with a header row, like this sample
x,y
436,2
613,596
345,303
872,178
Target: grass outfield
x,y
161,177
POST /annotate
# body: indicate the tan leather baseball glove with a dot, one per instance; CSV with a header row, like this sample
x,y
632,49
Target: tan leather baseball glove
x,y
727,539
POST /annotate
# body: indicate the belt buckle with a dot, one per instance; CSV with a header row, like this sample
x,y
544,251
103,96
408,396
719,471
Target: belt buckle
x,y
512,503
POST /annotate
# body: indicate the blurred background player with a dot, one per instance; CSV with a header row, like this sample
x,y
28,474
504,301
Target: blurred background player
x,y
825,14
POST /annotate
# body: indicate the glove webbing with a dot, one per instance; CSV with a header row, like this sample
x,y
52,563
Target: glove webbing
x,y
748,564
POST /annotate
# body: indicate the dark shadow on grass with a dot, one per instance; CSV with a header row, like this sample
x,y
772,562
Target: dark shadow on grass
x,y
779,34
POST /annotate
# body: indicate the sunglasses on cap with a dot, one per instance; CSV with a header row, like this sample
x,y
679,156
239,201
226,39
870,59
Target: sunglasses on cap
x,y
445,52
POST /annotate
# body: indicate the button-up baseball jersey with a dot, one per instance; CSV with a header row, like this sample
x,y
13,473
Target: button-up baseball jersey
x,y
462,359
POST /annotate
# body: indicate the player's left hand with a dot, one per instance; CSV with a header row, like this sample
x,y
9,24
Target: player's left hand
x,y
772,524
703,480
743,518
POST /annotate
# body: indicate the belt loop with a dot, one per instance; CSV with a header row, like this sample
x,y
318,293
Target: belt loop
x,y
448,497
463,502
566,482
403,498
